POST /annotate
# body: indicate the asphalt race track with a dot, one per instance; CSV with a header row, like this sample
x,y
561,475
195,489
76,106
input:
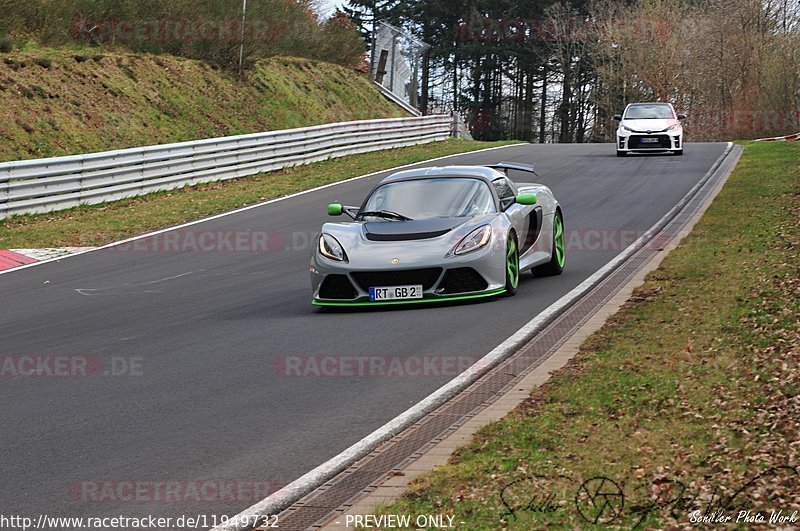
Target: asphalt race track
x,y
195,343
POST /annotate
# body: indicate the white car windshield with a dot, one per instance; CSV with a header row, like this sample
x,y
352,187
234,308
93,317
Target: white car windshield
x,y
430,198
649,112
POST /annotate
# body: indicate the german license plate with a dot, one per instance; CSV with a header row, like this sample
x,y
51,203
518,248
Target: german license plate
x,y
649,140
395,293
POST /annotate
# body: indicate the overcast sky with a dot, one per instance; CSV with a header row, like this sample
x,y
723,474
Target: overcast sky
x,y
327,7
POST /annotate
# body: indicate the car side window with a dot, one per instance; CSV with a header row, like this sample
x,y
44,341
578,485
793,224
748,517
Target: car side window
x,y
505,192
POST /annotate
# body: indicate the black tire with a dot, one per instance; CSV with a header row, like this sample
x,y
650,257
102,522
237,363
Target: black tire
x,y
558,257
679,152
512,265
620,153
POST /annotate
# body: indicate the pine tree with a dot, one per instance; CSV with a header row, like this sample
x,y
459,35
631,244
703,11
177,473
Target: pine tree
x,y
363,13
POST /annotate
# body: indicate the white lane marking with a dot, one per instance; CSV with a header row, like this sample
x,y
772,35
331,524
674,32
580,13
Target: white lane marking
x,y
250,207
93,291
163,279
298,488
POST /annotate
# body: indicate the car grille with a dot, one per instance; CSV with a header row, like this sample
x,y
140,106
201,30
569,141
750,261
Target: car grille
x,y
405,237
337,287
634,142
402,277
462,280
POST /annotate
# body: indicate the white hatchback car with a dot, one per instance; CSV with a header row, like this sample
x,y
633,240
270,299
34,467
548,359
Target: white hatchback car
x,y
649,127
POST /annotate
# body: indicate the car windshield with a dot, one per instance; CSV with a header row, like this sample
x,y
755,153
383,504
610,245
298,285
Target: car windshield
x,y
648,112
431,198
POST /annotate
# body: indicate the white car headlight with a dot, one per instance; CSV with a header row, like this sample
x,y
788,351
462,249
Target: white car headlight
x,y
329,247
626,128
474,240
674,127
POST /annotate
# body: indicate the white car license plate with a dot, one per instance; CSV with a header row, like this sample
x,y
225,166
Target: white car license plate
x,y
647,140
395,293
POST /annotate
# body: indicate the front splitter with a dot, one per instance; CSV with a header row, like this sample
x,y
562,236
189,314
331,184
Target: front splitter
x,y
363,304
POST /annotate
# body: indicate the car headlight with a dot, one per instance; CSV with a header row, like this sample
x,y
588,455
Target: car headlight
x,y
474,240
329,247
674,127
626,128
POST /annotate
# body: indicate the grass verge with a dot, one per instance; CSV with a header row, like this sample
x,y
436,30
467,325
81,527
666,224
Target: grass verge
x,y
687,400
100,224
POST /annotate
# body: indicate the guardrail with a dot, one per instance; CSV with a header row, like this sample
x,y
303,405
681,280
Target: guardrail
x,y
46,185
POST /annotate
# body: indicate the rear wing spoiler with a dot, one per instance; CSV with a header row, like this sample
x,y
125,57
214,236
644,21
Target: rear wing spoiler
x,y
505,166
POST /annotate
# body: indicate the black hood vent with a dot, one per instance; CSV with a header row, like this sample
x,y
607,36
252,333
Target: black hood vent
x,y
400,231
377,237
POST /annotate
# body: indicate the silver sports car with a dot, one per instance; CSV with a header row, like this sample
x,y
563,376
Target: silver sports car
x,y
438,234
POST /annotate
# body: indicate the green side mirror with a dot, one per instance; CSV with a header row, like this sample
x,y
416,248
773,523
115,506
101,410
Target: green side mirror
x,y
527,198
335,209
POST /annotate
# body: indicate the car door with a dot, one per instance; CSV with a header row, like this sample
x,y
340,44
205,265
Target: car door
x,y
524,219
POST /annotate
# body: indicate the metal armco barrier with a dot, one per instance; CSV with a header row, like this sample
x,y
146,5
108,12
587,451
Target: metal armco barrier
x,y
46,185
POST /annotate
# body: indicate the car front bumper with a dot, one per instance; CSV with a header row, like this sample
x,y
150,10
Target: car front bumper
x,y
454,277
642,142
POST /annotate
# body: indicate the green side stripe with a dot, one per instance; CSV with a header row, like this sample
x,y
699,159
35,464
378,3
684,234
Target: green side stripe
x,y
316,302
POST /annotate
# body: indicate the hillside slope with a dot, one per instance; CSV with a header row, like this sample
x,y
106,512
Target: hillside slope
x,y
60,102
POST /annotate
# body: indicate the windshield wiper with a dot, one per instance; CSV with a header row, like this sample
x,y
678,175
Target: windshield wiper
x,y
386,214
